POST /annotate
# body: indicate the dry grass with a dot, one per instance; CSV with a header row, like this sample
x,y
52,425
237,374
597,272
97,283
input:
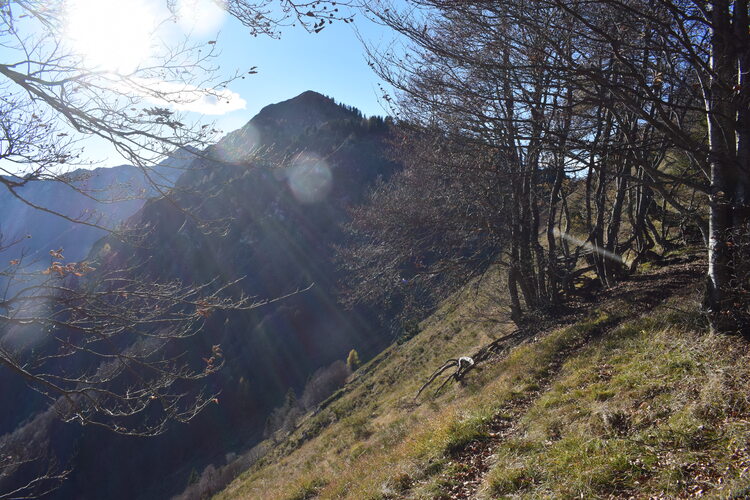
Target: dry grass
x,y
657,408
375,420
653,407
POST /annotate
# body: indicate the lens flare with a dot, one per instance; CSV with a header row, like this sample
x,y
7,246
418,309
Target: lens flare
x,y
310,179
588,246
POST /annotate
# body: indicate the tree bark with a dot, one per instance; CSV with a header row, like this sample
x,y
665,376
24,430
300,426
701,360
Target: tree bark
x,y
728,193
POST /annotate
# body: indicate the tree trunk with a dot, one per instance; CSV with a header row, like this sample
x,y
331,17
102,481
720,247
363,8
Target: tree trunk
x,y
728,193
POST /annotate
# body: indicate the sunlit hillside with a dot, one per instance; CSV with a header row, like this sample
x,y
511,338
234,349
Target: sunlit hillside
x,y
500,250
627,396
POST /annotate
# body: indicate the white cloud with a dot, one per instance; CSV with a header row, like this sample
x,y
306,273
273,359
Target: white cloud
x,y
216,103
185,97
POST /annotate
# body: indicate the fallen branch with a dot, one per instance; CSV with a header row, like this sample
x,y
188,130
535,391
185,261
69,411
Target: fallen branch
x,y
462,365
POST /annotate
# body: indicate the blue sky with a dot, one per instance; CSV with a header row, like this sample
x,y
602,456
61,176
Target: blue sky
x,y
331,62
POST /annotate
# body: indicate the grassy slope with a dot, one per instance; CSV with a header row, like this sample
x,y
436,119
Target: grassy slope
x,y
632,398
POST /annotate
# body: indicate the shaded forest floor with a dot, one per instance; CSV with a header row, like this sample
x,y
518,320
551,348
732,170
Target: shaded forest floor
x,y
627,396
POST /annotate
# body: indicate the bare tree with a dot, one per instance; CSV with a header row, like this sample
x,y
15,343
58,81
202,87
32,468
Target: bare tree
x,y
438,222
635,106
264,17
16,456
698,52
103,343
499,91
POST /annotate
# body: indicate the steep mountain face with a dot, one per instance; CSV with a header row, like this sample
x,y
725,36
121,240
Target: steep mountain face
x,y
104,197
265,205
28,235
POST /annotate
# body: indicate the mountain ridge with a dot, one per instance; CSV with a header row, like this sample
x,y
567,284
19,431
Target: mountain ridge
x,y
104,196
280,242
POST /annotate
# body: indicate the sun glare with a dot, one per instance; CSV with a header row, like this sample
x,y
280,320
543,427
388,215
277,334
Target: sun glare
x,y
111,34
200,17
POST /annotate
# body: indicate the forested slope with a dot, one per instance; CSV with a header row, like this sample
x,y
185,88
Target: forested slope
x,y
257,215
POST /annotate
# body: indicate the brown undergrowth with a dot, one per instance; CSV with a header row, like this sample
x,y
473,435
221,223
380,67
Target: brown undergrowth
x,y
632,398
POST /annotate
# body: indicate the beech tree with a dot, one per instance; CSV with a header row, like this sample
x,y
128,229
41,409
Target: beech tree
x,y
710,40
523,123
643,102
701,50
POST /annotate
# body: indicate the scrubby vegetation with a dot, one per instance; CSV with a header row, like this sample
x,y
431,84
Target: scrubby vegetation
x,y
630,395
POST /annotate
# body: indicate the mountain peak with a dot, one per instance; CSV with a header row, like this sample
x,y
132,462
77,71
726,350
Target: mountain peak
x,y
279,122
311,96
308,108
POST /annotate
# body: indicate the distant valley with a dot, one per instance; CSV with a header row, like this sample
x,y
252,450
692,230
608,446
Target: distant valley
x,y
103,197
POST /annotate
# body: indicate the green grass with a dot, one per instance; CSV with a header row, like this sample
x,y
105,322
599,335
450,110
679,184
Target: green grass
x,y
308,488
617,404
652,408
